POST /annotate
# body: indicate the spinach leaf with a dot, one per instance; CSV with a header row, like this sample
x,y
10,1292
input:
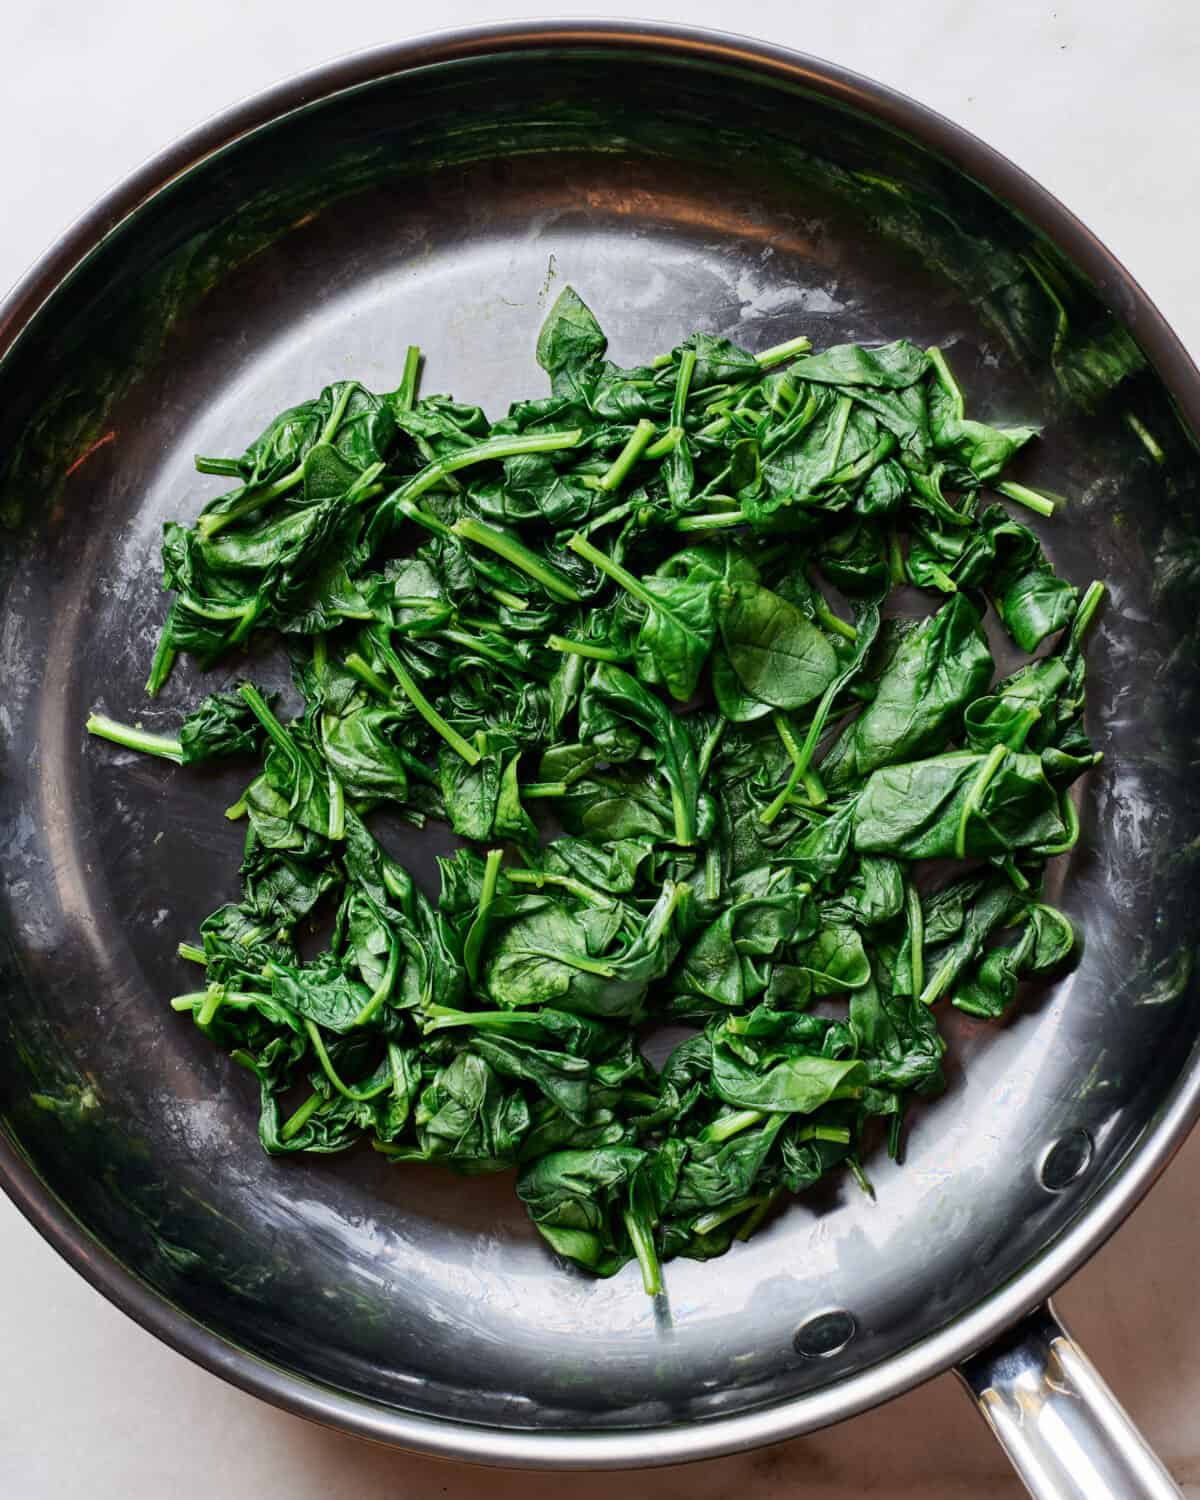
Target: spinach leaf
x,y
570,346
786,1080
960,805
778,656
221,724
667,739
575,1199
982,451
1029,596
937,671
890,367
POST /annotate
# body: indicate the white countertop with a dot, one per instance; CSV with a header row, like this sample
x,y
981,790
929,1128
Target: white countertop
x,y
1098,100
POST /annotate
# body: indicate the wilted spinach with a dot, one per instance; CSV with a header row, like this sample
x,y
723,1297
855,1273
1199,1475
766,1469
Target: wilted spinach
x,y
611,610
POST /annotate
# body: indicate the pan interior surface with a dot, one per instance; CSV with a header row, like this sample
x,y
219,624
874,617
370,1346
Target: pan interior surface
x,y
447,207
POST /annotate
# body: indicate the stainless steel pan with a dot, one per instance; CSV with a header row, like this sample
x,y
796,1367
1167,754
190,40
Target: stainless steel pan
x,y
439,192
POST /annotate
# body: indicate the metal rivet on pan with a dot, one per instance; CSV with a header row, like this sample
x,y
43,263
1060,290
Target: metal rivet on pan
x,y
824,1334
1068,1158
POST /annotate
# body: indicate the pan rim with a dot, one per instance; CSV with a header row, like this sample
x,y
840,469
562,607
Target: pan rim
x,y
947,1346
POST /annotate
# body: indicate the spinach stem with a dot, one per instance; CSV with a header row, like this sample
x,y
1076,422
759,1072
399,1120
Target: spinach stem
x,y
831,621
754,1218
712,873
228,468
916,936
683,381
210,611
1086,609
581,961
730,1125
777,353
684,834
784,730
709,520
841,419
337,805
213,1000
669,900
975,795
191,1001
708,748
359,1095
421,517
723,401
337,412
895,1130
473,643
510,601
367,674
1145,436
643,1247
939,981
386,982
585,648
1019,880
164,657
1070,816
407,393
438,1017
801,756
674,434
838,1135
713,428
635,445
946,380
520,556
296,1122
192,953
135,739
705,1223
665,444
1023,495
614,570
487,886
422,704
1022,724
262,712
783,397
540,878
489,451
895,556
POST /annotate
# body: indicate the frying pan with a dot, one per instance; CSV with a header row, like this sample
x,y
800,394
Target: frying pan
x,y
440,193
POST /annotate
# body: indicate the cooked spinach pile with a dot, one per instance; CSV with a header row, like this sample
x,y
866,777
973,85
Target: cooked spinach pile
x,y
607,639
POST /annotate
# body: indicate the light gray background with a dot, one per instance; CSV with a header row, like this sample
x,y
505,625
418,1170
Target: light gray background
x,y
1098,100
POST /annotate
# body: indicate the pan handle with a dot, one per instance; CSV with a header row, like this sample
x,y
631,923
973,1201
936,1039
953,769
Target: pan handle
x,y
1061,1426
